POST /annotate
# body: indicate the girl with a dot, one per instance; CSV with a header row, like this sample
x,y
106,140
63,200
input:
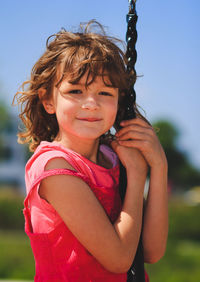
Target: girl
x,y
78,227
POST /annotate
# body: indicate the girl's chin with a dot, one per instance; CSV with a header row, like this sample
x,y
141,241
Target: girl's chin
x,y
89,134
84,134
88,137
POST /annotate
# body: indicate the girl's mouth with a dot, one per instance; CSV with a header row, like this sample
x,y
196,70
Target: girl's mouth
x,y
89,119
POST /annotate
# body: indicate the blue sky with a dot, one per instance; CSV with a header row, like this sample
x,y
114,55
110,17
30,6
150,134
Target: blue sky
x,y
168,52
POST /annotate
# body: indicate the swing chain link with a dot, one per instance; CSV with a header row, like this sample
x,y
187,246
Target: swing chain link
x,y
131,6
131,55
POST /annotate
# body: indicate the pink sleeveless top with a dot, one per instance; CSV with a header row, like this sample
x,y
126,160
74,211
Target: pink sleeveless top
x,y
59,256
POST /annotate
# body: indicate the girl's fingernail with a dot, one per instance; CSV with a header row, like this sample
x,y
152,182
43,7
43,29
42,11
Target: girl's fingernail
x,y
122,122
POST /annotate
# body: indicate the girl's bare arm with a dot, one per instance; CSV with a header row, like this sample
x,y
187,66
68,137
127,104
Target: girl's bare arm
x,y
155,228
114,246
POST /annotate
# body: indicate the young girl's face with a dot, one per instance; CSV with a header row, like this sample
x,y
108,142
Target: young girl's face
x,y
82,112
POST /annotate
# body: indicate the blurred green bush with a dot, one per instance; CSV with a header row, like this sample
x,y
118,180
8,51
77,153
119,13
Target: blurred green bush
x,y
184,221
181,260
11,209
16,257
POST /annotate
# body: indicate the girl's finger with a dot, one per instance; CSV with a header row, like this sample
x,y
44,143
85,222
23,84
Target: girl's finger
x,y
114,145
137,144
133,134
130,127
135,127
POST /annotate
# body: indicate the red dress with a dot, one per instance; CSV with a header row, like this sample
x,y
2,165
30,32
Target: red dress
x,y
59,256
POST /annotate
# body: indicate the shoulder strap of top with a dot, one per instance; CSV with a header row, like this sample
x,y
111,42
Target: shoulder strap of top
x,y
52,172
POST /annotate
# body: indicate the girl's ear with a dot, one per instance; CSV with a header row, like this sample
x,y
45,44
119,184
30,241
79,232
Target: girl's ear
x,y
46,102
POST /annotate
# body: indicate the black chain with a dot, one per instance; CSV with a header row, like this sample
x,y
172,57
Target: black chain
x,y
136,272
131,54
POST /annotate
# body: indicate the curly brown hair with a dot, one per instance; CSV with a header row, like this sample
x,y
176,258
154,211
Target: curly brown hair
x,y
74,54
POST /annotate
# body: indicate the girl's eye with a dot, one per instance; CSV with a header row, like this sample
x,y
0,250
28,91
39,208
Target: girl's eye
x,y
75,91
104,93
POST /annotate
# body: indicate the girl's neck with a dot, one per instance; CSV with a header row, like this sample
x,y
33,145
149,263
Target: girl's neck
x,y
87,148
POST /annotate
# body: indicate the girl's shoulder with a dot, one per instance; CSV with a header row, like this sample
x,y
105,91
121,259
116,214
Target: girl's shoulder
x,y
44,153
50,150
47,151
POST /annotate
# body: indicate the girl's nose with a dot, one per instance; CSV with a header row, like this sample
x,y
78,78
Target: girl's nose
x,y
90,103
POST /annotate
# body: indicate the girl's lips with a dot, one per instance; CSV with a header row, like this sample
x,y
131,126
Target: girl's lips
x,y
89,119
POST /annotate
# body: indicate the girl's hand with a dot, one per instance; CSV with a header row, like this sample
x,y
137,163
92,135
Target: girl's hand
x,y
131,158
138,134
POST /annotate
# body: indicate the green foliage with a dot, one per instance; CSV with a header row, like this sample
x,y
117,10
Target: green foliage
x,y
5,151
180,263
167,132
5,124
184,223
181,172
181,260
16,258
11,206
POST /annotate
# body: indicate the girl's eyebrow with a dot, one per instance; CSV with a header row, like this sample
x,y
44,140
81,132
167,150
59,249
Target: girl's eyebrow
x,y
69,84
83,84
76,83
